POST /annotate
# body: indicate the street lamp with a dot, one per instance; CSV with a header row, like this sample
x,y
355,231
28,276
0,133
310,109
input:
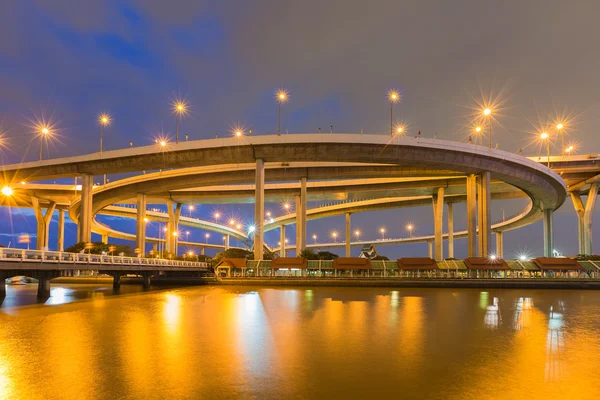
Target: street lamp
x,y
382,231
570,149
103,120
206,236
187,235
282,97
287,206
393,97
314,238
217,216
334,235
559,128
546,137
179,108
410,228
487,112
7,191
357,234
44,132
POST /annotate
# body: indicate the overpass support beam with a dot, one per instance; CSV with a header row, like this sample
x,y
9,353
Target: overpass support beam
x,y
140,231
85,212
430,249
438,222
348,235
259,209
43,222
282,241
3,276
172,226
587,217
499,244
61,230
484,211
580,211
226,244
548,233
105,238
303,199
450,230
471,215
44,284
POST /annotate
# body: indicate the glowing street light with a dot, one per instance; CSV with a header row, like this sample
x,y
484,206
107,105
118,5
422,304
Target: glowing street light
x,y
382,231
570,149
546,137
187,235
393,97
282,97
206,236
314,238
334,235
7,191
103,120
559,128
487,112
410,228
286,206
179,108
217,216
238,133
44,132
232,222
400,129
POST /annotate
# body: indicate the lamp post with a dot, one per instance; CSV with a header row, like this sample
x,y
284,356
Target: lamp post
x,y
382,231
44,132
206,236
282,97
357,234
410,228
314,238
334,235
478,132
487,112
546,137
103,120
559,128
179,108
393,97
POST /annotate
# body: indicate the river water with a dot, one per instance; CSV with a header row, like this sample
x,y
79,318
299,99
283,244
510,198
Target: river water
x,y
292,343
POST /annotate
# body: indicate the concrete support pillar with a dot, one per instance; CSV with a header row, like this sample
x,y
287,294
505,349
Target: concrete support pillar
x,y
587,217
3,276
471,215
548,233
43,222
298,226
202,251
226,242
282,241
172,227
303,199
61,230
348,235
580,212
85,211
44,284
499,244
438,221
146,280
140,231
450,230
430,248
484,211
259,209
105,238
116,280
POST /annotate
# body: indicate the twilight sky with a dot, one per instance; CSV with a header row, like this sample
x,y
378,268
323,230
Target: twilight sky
x,y
71,60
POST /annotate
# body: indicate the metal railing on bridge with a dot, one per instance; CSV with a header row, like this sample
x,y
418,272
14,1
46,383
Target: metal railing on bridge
x,y
60,257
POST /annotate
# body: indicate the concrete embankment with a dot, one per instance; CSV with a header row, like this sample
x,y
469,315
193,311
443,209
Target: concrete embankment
x,y
420,283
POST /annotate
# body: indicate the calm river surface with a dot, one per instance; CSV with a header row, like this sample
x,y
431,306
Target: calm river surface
x,y
279,343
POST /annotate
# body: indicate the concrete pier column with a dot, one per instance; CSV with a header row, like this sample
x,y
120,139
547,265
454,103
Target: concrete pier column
x,y
140,231
282,241
146,280
226,242
548,233
580,212
348,235
450,230
116,280
430,248
105,238
43,222
590,203
303,200
298,226
484,211
438,222
3,276
85,211
202,250
44,284
61,230
172,226
471,215
499,244
259,209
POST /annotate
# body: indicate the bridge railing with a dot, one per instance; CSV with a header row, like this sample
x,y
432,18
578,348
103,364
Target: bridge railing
x,y
61,257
